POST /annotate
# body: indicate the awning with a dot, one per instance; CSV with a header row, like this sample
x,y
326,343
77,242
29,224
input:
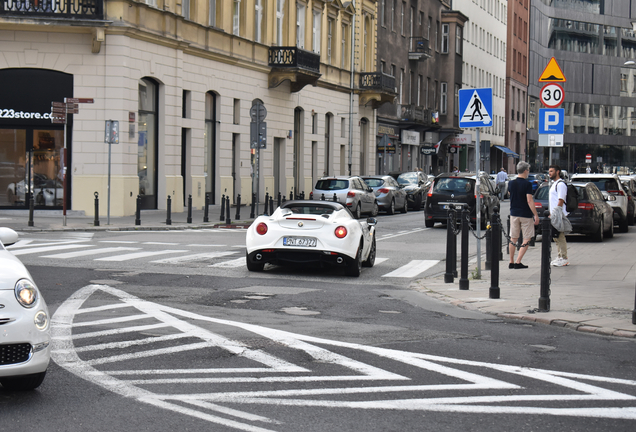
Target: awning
x,y
507,151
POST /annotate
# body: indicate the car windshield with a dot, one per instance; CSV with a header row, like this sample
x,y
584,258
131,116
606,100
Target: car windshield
x,y
407,178
311,209
373,182
603,184
542,194
332,184
453,184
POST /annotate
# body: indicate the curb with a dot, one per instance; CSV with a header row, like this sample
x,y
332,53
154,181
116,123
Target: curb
x,y
134,228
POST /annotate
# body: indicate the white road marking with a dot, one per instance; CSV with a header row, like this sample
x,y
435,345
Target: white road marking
x,y
137,255
380,260
235,263
89,252
118,241
160,243
195,257
47,249
458,375
239,246
412,269
29,243
206,245
401,233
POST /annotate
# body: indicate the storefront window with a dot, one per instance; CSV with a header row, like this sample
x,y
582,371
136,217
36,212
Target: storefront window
x,y
147,144
12,167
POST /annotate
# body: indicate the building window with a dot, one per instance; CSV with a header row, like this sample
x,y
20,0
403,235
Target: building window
x,y
280,7
147,154
329,39
411,86
623,82
300,26
419,90
185,9
258,21
443,93
212,13
456,101
393,2
437,36
458,40
428,29
365,47
236,18
402,18
343,48
236,115
381,7
412,21
445,30
316,32
401,86
514,60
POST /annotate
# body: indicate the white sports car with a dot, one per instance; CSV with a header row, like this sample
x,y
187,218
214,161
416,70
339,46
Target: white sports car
x,y
25,333
311,232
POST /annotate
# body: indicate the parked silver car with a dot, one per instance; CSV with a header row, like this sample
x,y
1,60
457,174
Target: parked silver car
x,y
389,194
351,191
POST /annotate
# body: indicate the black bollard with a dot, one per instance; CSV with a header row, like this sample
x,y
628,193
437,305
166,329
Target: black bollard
x,y
284,200
227,208
222,218
206,215
169,211
463,280
495,230
252,215
279,199
302,195
238,207
451,250
189,220
265,212
322,198
271,205
488,263
546,237
634,311
96,222
31,205
138,211
335,197
311,196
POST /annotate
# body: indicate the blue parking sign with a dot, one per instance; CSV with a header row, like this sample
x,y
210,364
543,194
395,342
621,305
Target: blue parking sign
x,y
475,107
551,121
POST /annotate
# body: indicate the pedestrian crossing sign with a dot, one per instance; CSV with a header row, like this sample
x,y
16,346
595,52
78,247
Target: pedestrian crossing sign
x,y
475,107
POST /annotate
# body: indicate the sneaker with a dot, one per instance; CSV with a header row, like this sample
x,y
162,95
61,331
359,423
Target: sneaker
x,y
556,262
562,262
511,265
520,266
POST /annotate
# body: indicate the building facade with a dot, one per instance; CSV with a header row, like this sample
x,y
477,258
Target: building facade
x,y
182,77
592,40
420,48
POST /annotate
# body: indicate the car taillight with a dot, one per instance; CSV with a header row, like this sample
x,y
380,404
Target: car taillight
x,y
341,232
538,205
351,194
586,206
481,196
383,191
430,190
616,192
261,228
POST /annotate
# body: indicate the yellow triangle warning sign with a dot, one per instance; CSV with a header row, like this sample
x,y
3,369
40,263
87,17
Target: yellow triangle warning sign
x,y
552,72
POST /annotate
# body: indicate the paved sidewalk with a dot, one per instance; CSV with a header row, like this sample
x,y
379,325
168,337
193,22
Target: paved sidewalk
x,y
594,294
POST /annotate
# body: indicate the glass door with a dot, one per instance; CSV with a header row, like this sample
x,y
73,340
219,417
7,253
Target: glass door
x,y
47,178
13,164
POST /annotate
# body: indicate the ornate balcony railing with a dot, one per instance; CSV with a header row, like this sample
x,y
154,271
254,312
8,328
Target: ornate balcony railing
x,y
377,81
419,49
294,57
78,9
414,114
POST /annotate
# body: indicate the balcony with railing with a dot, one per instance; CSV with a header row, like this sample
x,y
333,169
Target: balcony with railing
x,y
419,49
298,66
64,9
416,115
377,88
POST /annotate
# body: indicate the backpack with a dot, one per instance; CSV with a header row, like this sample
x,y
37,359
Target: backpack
x,y
571,198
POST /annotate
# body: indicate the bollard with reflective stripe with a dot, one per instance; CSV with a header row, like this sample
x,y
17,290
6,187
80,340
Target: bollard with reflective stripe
x,y
546,237
138,211
96,221
238,207
206,217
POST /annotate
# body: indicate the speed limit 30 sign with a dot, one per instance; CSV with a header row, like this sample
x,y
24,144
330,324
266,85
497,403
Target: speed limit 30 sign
x,y
552,95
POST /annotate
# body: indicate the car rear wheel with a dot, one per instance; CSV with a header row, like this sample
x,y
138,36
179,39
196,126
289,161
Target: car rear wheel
x,y
391,209
252,266
371,258
405,209
610,232
375,210
418,203
598,236
355,267
630,219
358,212
22,383
623,226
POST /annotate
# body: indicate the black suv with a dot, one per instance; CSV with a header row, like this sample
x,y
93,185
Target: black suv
x,y
415,184
459,188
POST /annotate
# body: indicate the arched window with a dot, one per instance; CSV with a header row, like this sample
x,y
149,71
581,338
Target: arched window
x,y
147,144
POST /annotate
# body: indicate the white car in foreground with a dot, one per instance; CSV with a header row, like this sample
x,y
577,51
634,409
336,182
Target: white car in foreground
x,y
25,333
321,233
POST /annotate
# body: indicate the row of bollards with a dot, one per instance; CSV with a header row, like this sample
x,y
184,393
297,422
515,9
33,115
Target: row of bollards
x,y
494,253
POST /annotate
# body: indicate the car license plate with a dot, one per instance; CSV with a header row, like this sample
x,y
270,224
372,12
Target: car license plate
x,y
299,241
445,207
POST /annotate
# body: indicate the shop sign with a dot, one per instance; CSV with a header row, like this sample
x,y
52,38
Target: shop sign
x,y
410,137
460,139
389,130
8,113
427,150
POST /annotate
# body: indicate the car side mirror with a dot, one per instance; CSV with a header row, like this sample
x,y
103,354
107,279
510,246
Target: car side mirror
x,y
8,236
372,221
369,189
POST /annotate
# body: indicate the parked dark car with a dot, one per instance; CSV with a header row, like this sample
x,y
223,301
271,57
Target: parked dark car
x,y
629,185
389,194
459,188
594,216
415,184
536,180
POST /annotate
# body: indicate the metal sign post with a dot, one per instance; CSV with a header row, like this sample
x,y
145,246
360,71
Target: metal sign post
x,y
111,136
258,140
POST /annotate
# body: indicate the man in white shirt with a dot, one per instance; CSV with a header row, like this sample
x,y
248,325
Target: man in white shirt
x,y
501,179
558,194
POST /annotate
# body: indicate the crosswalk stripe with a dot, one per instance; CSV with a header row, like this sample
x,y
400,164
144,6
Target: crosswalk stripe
x,y
239,262
137,255
46,249
118,241
412,269
195,257
89,252
380,260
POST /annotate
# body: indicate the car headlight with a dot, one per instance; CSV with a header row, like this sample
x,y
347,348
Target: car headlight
x,y
26,293
41,320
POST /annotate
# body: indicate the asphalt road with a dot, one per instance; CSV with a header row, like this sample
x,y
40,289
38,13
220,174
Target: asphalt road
x,y
202,344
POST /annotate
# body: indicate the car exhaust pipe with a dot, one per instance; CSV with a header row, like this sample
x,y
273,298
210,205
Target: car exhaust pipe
x,y
258,257
339,260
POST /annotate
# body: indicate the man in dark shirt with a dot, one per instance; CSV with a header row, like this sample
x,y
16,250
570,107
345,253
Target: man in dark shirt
x,y
523,214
